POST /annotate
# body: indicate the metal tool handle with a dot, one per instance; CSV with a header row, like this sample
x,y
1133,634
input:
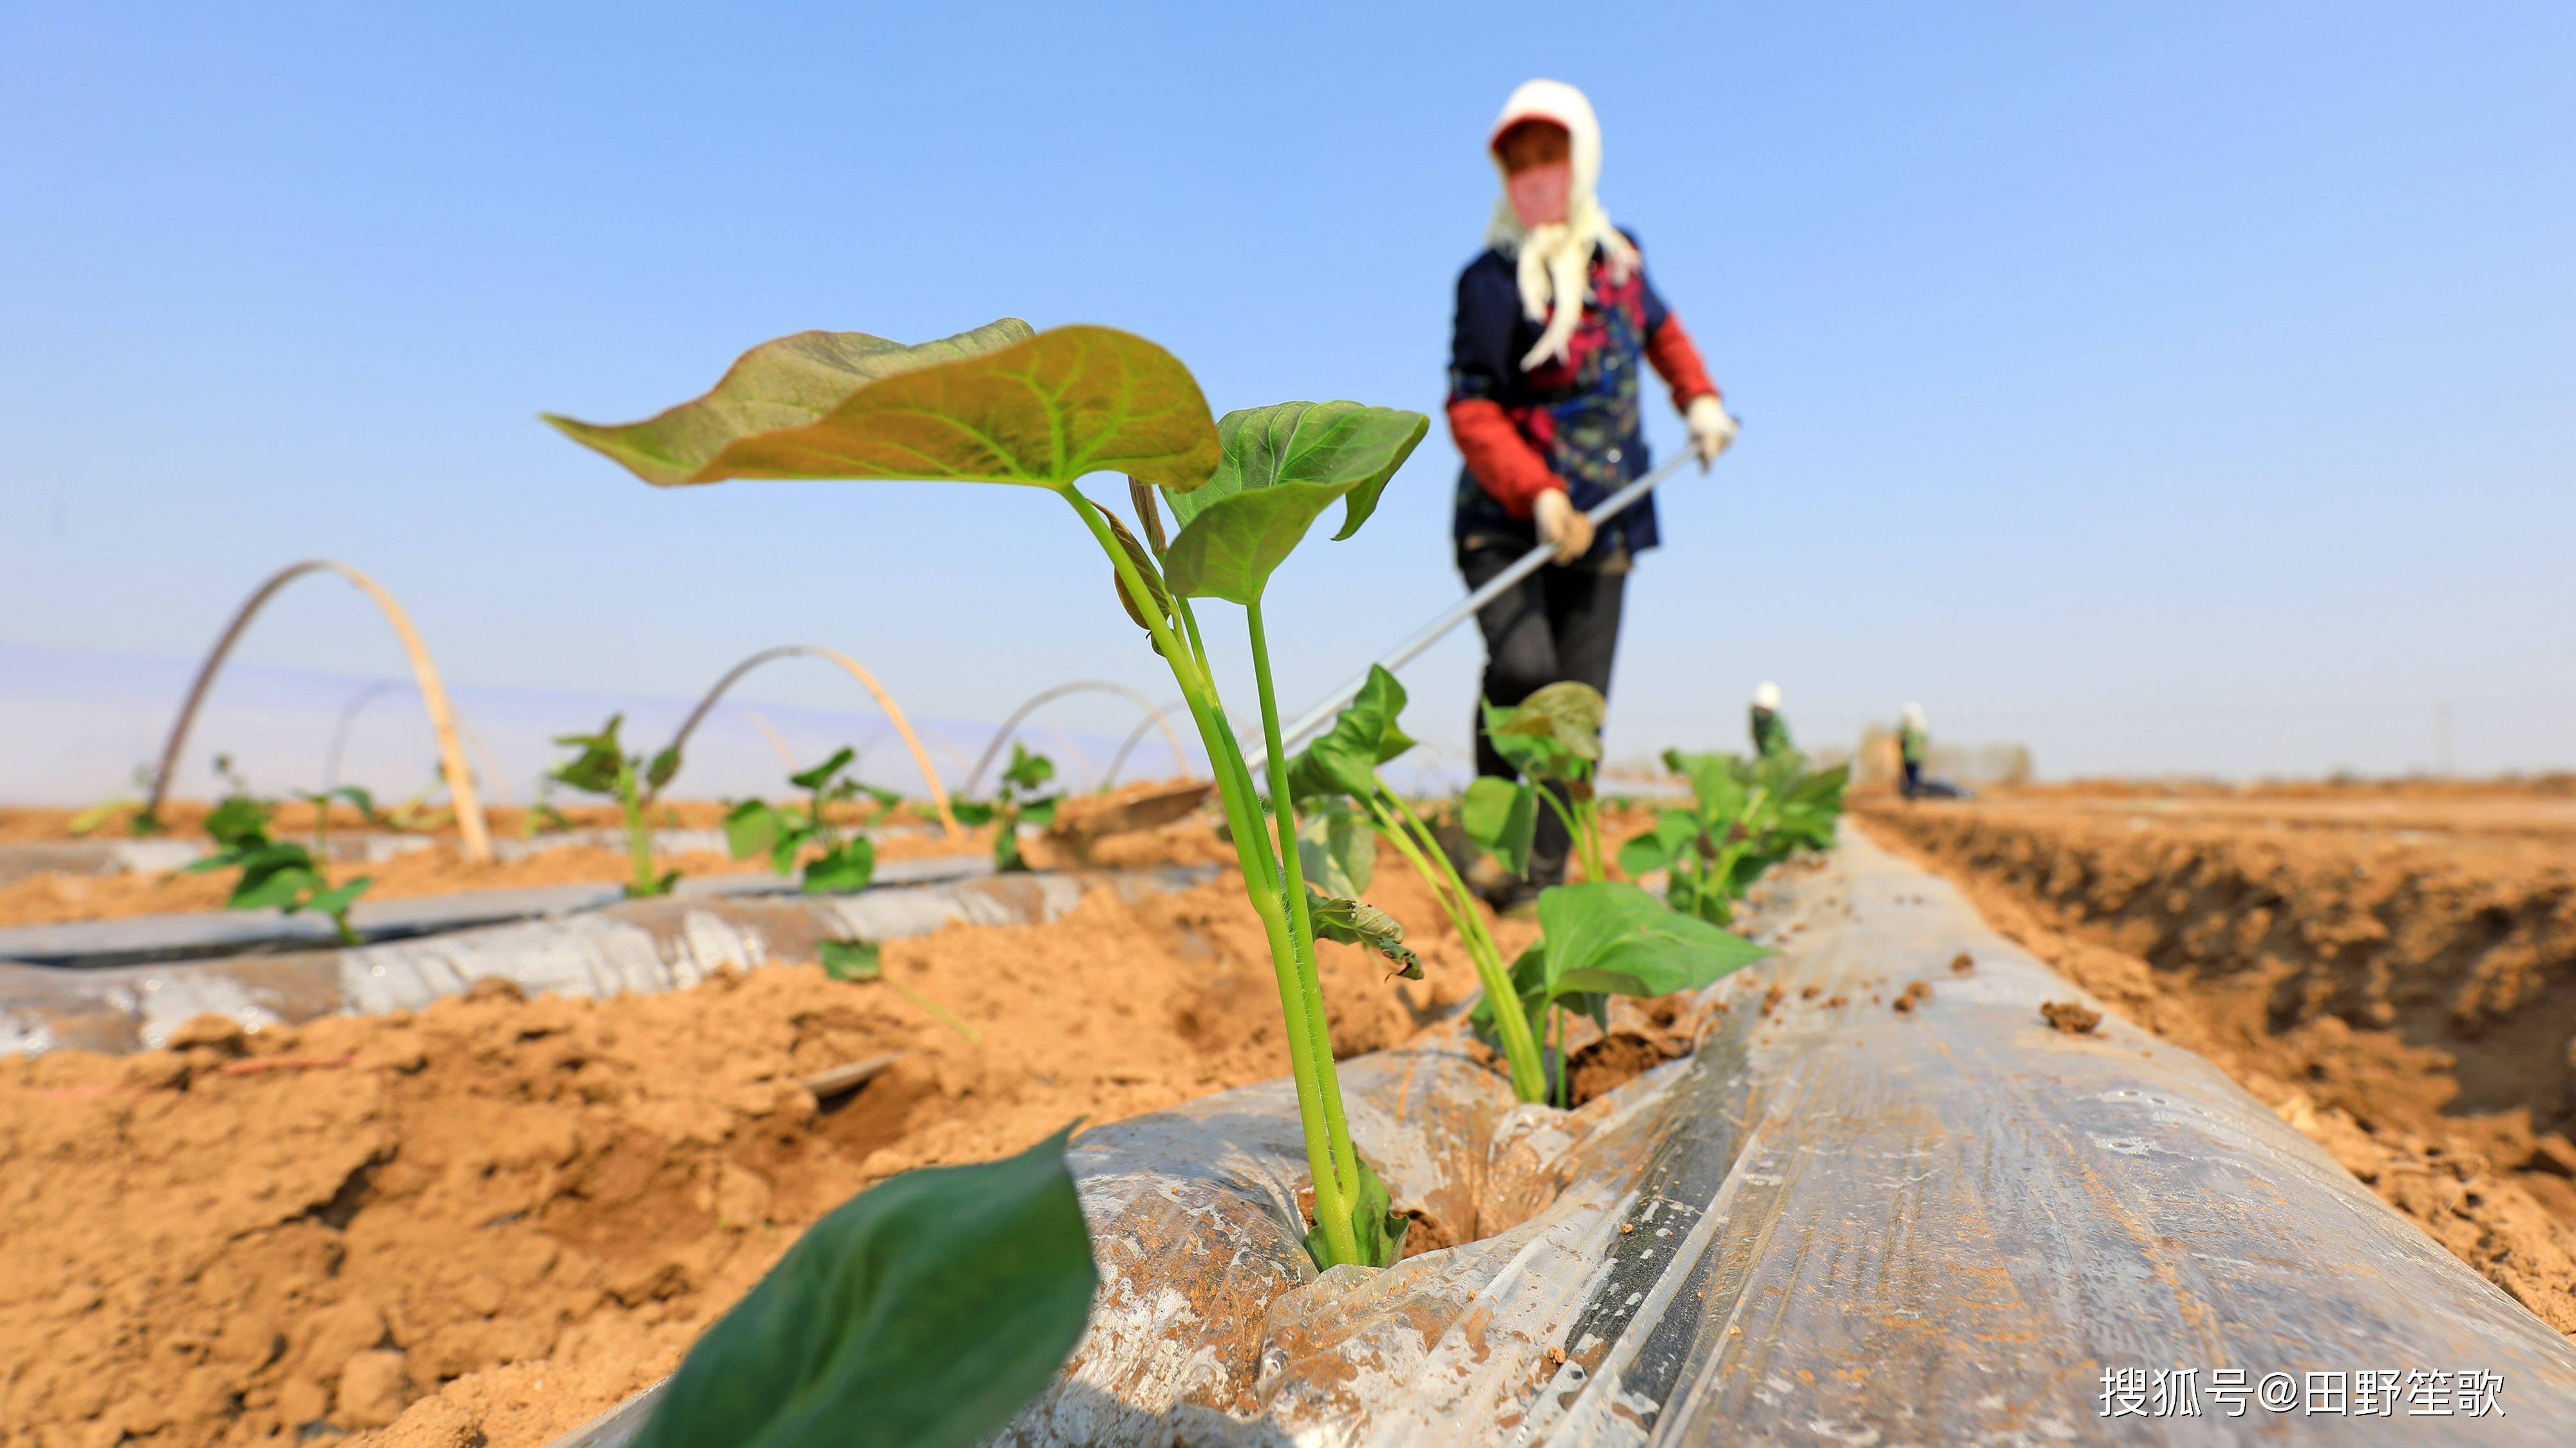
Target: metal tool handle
x,y
1406,652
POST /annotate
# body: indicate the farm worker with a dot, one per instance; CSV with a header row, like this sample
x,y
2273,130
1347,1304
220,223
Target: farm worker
x,y
1913,741
1556,323
1770,731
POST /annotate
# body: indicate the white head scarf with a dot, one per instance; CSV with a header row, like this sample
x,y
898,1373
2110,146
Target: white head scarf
x,y
1767,697
1556,259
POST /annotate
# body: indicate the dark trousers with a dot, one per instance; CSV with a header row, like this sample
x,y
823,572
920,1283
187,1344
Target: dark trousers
x,y
1558,624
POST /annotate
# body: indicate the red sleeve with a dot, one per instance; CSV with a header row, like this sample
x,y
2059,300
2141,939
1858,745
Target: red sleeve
x,y
1503,462
1676,360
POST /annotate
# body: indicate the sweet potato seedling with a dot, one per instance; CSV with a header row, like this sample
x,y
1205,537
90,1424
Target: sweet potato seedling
x,y
1599,938
1746,815
279,874
1013,804
842,862
1553,738
603,767
1604,938
1006,404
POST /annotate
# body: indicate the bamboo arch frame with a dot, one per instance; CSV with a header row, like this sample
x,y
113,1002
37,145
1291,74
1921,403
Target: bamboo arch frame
x,y
850,666
1001,736
476,837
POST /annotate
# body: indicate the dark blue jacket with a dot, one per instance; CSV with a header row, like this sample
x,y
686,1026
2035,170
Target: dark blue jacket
x,y
1579,416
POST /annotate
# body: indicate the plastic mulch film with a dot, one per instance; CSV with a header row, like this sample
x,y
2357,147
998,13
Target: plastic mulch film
x,y
641,945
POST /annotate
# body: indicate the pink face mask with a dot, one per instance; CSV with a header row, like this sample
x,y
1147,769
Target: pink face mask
x,y
1539,193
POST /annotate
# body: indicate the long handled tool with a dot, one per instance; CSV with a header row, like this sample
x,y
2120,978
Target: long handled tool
x,y
1432,632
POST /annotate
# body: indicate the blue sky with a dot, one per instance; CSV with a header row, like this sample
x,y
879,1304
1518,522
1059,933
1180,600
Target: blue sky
x,y
2170,388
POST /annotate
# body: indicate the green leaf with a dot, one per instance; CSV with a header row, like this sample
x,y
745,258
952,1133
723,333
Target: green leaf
x,y
272,875
1674,832
1282,465
851,959
336,901
1568,714
971,813
1028,770
752,828
787,846
1375,1222
1501,816
1715,782
846,867
659,772
1356,922
995,405
885,798
1040,813
925,1312
595,769
1336,848
821,774
239,820
1616,938
1364,735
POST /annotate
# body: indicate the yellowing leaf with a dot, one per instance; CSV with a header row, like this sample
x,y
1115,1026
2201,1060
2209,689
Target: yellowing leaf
x,y
995,405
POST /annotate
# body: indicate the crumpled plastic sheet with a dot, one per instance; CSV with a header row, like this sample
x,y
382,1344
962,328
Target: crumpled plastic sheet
x,y
1833,1223
641,945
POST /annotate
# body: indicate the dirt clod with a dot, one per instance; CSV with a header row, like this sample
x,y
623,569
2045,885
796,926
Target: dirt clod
x,y
1963,962
495,988
1916,993
220,1035
2073,1017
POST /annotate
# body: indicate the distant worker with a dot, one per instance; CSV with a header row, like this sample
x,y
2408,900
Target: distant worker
x,y
1913,741
1555,325
1770,731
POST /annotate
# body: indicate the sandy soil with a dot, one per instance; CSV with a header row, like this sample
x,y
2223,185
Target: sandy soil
x,y
2405,994
494,1218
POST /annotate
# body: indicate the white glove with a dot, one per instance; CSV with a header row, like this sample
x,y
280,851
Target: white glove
x,y
1563,524
1711,430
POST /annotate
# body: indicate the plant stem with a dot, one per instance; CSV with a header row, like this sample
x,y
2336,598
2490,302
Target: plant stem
x,y
1301,927
1520,1050
639,839
1594,868
1328,1145
1573,822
